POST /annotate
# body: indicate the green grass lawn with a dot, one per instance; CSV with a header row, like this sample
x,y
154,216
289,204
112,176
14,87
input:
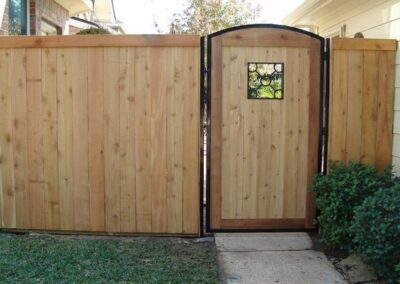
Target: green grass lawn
x,y
47,259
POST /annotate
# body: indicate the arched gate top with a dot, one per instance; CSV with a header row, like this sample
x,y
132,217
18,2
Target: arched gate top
x,y
270,26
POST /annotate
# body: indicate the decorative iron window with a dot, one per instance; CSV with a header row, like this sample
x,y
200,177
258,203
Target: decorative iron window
x,y
265,80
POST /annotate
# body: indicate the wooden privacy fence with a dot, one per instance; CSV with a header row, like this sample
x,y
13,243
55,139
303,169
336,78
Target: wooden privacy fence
x,y
100,133
361,101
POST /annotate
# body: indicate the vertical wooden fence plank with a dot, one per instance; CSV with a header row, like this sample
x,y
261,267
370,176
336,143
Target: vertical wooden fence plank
x,y
111,139
65,138
6,150
354,105
127,151
384,135
175,143
20,140
158,140
50,139
143,139
132,139
35,138
191,141
338,106
96,138
80,138
370,107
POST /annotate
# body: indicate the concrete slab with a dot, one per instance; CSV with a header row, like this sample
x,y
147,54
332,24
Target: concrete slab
x,y
284,267
273,258
262,241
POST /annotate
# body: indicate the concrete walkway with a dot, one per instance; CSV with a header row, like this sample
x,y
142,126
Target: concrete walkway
x,y
283,258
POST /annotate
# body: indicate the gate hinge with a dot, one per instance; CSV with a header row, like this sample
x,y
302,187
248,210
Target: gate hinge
x,y
324,131
325,55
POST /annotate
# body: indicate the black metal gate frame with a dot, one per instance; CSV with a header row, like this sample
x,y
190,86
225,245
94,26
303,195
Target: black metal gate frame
x,y
205,119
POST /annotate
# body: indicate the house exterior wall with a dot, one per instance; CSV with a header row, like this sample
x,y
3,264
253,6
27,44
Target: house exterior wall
x,y
50,11
375,19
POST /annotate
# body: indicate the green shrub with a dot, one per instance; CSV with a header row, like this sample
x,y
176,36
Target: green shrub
x,y
376,230
339,192
93,31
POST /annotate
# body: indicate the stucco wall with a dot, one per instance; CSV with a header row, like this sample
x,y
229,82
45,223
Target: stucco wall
x,y
381,21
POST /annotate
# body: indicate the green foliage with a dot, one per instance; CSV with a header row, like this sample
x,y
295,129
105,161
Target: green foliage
x,y
207,16
93,31
339,192
54,260
376,230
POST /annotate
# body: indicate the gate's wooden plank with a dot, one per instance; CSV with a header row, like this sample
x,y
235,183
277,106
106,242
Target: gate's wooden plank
x,y
250,140
143,139
112,140
20,140
291,128
267,37
370,107
354,106
96,138
127,149
65,140
7,194
191,130
303,144
263,164
338,107
236,100
384,137
158,140
278,117
50,139
80,138
263,109
35,137
175,141
229,189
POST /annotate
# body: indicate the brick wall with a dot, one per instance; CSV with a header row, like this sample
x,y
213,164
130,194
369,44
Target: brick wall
x,y
4,21
47,10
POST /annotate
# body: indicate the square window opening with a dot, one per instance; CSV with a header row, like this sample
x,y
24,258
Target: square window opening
x,y
265,80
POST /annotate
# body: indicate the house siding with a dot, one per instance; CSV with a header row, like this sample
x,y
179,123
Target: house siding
x,y
380,21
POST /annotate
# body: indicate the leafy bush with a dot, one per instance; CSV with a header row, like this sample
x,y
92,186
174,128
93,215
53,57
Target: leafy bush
x,y
339,192
376,230
93,31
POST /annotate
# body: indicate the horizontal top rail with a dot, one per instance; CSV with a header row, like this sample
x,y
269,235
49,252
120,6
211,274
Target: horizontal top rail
x,y
363,44
100,41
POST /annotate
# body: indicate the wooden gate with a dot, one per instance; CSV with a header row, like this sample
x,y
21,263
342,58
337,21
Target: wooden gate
x,y
264,90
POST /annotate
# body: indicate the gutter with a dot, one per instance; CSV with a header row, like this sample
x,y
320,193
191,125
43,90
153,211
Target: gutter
x,y
86,22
